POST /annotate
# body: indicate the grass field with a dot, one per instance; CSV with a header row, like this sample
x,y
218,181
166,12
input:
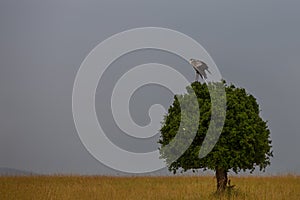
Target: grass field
x,y
178,187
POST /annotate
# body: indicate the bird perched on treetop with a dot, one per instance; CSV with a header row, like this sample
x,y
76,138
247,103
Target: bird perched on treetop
x,y
200,68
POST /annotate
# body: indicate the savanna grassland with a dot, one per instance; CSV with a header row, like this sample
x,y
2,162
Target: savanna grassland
x,y
177,187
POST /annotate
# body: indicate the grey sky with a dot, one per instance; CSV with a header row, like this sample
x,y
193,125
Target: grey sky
x,y
255,44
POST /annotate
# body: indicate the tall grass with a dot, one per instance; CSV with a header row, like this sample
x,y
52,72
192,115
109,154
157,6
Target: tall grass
x,y
178,187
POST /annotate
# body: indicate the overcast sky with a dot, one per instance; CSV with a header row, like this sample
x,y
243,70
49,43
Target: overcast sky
x,y
255,45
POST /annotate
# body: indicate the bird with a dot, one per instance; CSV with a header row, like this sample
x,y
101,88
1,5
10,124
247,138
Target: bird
x,y
200,68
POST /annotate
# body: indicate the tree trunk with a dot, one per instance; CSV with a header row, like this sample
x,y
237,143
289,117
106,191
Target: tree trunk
x,y
221,175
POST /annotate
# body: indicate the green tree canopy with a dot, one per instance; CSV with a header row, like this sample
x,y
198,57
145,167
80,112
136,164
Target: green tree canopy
x,y
244,143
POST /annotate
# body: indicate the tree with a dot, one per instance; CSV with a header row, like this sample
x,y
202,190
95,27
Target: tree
x,y
244,143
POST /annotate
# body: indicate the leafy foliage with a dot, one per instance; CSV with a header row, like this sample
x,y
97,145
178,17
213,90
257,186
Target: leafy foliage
x,y
244,142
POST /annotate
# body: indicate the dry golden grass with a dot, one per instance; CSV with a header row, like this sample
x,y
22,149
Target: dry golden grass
x,y
190,187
